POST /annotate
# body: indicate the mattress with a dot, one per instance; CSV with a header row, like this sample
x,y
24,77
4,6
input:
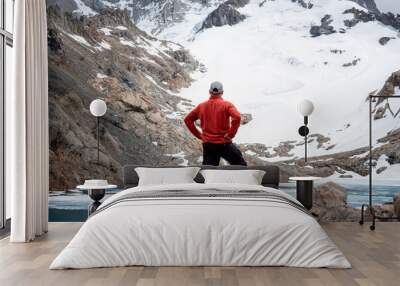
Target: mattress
x,y
201,225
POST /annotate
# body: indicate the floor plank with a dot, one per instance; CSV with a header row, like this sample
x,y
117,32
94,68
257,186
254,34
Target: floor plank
x,y
375,257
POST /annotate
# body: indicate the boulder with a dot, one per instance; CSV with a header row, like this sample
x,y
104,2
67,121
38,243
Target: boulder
x,y
330,204
387,210
396,204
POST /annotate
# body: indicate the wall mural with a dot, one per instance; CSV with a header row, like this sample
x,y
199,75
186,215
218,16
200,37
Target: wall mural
x,y
153,61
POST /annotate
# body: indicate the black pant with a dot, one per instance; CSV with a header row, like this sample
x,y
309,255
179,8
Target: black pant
x,y
212,153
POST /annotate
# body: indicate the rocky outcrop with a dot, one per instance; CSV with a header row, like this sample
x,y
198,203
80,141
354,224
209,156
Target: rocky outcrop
x,y
237,3
352,63
324,29
389,87
358,16
330,204
225,14
368,4
384,40
304,4
337,51
388,19
341,164
161,13
284,148
107,57
321,140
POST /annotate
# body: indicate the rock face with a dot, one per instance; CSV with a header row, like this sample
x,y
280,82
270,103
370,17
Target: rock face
x,y
389,87
225,14
396,205
368,4
330,204
65,5
107,57
324,29
389,19
384,107
160,13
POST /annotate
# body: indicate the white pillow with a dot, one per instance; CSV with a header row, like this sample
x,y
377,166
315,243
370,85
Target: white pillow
x,y
248,177
166,176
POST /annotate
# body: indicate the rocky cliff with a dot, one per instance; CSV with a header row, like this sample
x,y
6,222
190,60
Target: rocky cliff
x,y
225,14
107,57
368,4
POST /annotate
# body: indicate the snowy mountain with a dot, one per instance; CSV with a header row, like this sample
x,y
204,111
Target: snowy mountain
x,y
270,54
269,62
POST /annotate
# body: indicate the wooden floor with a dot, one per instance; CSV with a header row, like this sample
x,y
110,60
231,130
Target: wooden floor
x,y
375,257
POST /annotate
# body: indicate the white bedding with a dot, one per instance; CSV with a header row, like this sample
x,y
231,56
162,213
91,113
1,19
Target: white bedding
x,y
200,231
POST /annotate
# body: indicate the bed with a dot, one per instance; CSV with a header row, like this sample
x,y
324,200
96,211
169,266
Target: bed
x,y
198,224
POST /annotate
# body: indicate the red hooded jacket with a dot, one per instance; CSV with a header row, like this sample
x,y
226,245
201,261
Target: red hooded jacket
x,y
218,118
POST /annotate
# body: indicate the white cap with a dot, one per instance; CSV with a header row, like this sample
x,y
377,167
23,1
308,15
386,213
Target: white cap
x,y
216,87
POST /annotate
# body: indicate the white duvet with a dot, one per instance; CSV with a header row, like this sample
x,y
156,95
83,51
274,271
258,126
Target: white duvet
x,y
200,231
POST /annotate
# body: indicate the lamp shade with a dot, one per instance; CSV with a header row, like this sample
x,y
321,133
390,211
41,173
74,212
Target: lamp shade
x,y
98,107
306,107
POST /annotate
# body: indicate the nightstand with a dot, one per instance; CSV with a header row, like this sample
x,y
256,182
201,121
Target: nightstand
x,y
304,190
96,191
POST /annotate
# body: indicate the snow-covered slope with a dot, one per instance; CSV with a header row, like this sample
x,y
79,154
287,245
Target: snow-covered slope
x,y
269,62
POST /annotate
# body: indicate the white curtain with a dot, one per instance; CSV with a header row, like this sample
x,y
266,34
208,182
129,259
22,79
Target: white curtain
x,y
27,122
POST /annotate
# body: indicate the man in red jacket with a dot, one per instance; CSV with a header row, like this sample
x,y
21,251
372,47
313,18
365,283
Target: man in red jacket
x,y
219,122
